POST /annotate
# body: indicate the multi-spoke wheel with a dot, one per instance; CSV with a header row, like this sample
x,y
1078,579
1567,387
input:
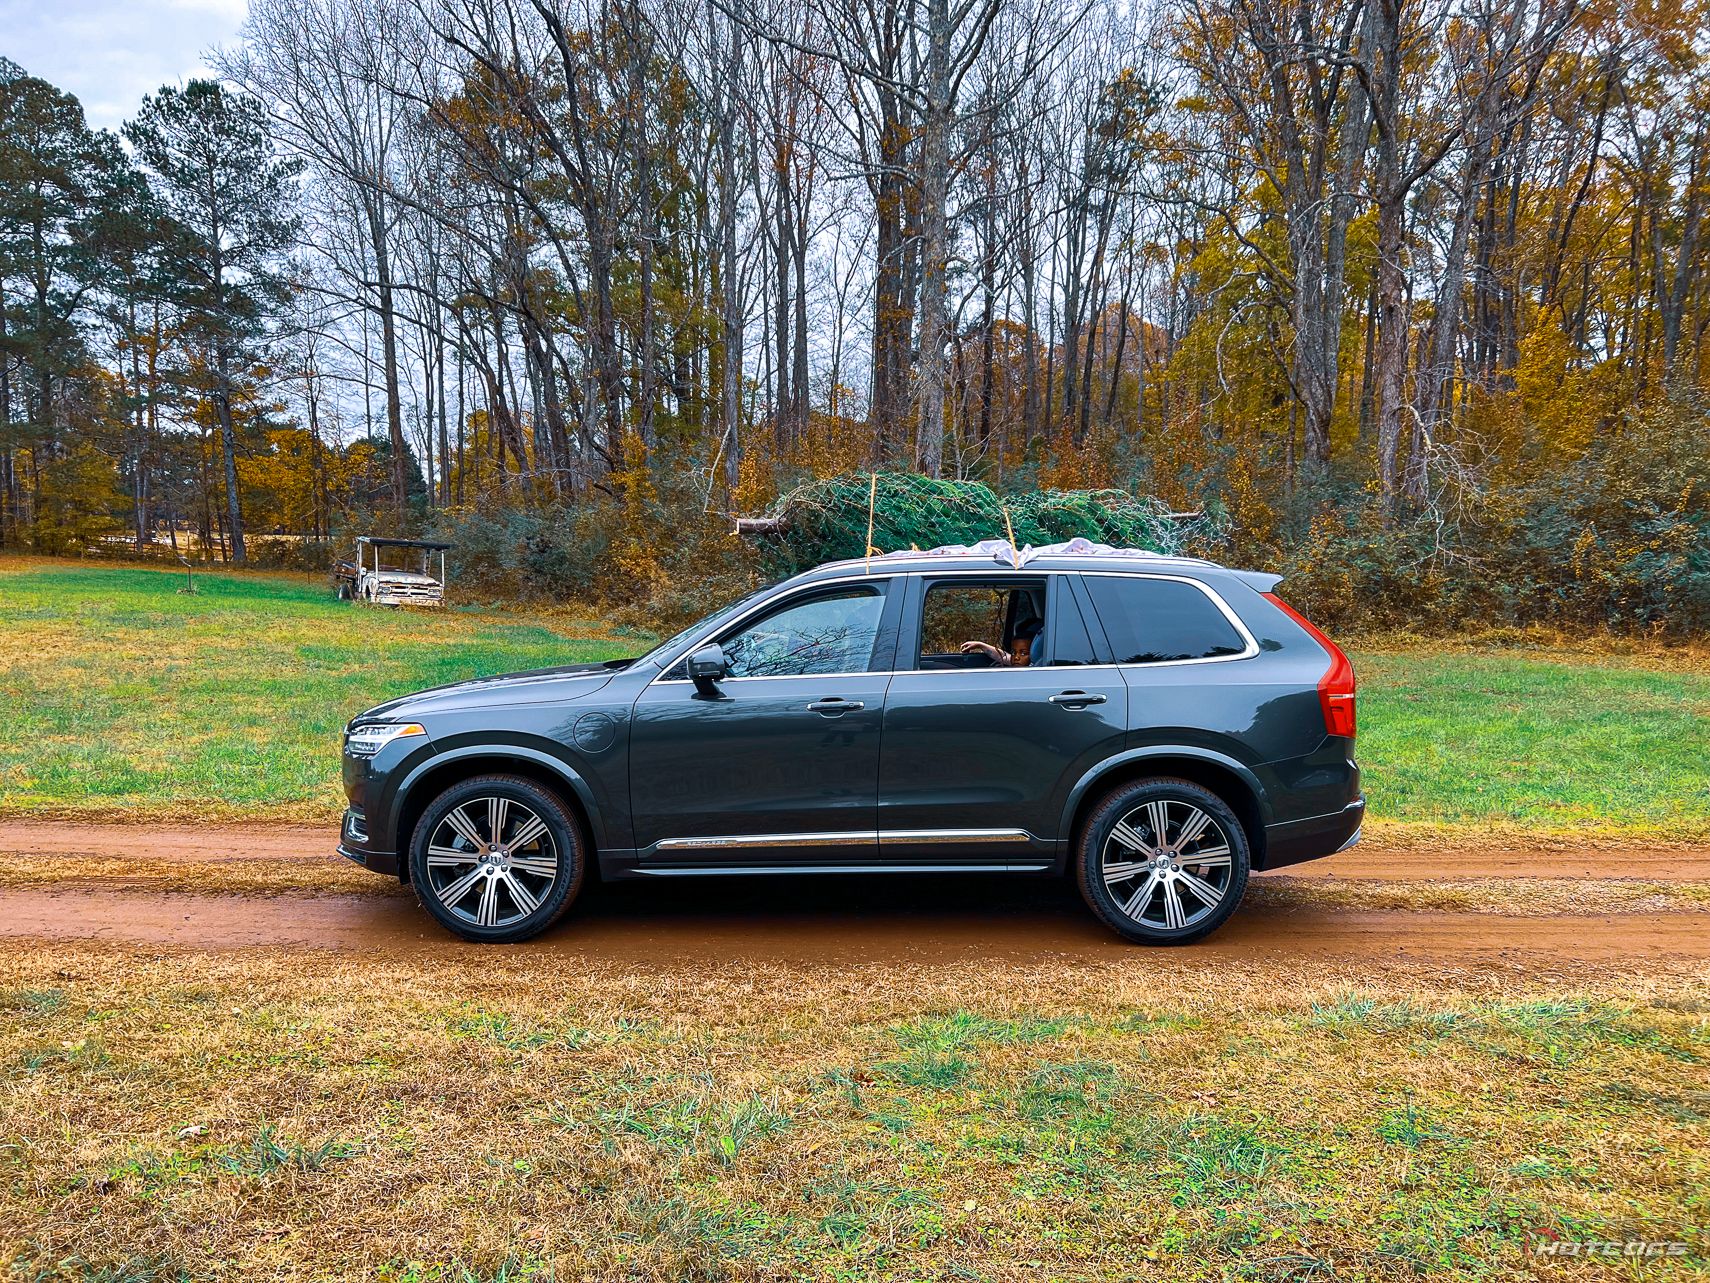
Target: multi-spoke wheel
x,y
1163,861
496,859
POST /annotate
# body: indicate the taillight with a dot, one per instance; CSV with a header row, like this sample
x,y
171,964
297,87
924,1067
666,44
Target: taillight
x,y
1336,687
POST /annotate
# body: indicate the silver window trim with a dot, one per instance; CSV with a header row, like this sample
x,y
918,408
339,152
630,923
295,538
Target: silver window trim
x,y
1252,645
1250,649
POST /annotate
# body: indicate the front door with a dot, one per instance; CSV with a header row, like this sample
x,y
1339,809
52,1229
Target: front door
x,y
783,764
979,754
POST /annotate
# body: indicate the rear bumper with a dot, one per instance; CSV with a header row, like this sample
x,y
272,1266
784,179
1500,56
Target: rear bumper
x,y
1313,838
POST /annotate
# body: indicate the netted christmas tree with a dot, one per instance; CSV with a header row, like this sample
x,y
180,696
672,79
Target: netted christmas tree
x,y
827,520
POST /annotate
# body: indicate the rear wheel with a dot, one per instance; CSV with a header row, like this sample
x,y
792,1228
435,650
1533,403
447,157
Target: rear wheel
x,y
497,859
1163,861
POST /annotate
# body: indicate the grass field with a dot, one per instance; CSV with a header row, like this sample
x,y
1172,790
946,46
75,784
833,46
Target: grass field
x,y
126,697
693,1108
129,697
300,1116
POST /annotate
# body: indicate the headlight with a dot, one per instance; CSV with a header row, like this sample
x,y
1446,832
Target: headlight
x,y
365,741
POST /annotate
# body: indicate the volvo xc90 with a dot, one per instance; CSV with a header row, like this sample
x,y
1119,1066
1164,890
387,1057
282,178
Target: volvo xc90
x,y
1156,727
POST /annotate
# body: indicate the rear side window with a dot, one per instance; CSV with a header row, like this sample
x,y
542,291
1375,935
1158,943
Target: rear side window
x,y
1152,621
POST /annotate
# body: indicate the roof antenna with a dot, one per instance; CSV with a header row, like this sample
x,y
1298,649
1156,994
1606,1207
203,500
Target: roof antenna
x,y
872,504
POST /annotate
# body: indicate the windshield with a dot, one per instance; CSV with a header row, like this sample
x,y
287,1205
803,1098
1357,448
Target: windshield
x,y
658,655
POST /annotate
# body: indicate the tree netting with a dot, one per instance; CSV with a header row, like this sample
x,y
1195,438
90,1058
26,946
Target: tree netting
x,y
827,520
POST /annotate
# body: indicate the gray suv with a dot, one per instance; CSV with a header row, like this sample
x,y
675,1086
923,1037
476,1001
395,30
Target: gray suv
x,y
1156,726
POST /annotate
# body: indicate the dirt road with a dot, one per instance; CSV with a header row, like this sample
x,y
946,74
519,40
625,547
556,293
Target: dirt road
x,y
74,893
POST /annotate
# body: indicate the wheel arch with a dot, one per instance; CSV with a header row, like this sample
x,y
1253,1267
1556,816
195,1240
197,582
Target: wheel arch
x,y
1224,776
441,772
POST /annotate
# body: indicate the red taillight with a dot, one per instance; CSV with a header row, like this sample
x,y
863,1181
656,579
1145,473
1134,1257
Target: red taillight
x,y
1336,687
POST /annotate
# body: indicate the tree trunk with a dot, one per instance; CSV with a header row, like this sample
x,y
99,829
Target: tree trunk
x,y
228,452
730,314
389,363
935,249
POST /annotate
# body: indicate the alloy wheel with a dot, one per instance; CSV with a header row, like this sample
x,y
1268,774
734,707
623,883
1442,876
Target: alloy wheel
x,y
491,861
1168,864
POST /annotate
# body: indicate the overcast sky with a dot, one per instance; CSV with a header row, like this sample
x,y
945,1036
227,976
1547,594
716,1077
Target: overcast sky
x,y
112,52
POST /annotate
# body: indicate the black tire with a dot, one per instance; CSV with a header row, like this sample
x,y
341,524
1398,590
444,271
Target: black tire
x,y
1137,905
504,880
344,593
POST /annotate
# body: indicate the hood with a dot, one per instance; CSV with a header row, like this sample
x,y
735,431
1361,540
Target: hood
x,y
402,577
537,686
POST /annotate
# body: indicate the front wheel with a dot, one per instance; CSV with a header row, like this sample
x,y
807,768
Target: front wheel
x,y
1163,861
497,859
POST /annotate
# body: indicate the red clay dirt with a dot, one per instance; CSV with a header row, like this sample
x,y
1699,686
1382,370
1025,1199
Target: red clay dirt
x,y
834,920
1415,857
666,927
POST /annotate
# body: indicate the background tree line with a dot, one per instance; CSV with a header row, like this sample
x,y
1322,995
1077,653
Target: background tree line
x,y
1408,296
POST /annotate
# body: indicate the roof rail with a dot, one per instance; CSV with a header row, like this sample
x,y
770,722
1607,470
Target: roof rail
x,y
1007,554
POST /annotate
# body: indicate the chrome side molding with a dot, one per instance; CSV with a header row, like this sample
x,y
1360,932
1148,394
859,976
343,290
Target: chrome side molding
x,y
766,839
727,870
852,837
928,837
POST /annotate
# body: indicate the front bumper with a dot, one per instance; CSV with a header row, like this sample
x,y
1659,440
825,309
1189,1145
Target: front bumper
x,y
1315,837
354,845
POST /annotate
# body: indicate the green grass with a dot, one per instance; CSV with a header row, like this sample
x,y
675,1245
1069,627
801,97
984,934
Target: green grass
x,y
1554,741
126,696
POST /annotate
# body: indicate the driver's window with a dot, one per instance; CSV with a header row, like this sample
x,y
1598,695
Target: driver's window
x,y
831,634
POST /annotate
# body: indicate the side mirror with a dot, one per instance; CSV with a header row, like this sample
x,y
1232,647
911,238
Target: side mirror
x,y
707,667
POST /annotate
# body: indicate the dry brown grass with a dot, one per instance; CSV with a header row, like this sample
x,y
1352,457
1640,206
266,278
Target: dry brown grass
x,y
326,875
494,1113
1532,898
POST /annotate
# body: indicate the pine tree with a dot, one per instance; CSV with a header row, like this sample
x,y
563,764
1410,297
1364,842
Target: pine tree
x,y
227,197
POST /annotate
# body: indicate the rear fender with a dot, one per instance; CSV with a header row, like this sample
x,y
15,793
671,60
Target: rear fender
x,y
1126,762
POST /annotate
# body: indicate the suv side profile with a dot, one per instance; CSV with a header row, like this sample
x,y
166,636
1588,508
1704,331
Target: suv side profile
x,y
1157,726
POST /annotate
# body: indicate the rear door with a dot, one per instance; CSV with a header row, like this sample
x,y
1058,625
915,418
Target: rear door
x,y
1180,648
978,761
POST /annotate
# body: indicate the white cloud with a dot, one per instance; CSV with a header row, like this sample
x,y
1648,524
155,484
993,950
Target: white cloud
x,y
112,52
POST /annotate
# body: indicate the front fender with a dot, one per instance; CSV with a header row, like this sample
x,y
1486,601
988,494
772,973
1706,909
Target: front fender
x,y
406,797
1160,752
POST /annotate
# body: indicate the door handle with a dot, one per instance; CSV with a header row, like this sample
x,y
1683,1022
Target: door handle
x,y
835,706
1077,699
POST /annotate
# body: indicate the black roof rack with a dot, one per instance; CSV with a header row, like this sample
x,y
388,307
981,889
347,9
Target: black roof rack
x,y
432,545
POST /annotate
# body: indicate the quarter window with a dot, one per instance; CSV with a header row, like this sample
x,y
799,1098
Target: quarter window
x,y
1152,621
835,633
1071,644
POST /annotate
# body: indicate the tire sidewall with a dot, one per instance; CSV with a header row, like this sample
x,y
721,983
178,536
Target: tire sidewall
x,y
1088,858
566,840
